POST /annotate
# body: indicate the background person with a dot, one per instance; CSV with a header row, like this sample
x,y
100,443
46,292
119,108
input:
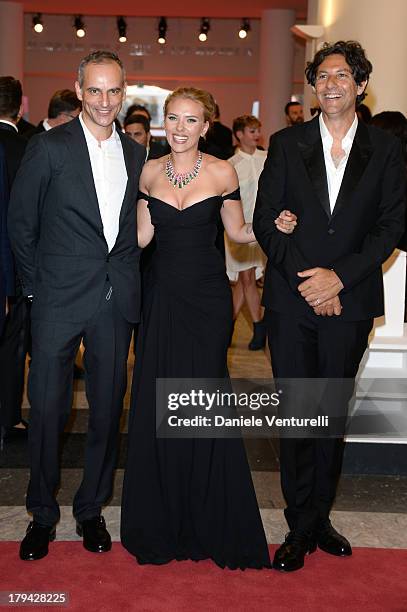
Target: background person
x,y
14,342
137,126
396,123
156,149
63,107
245,262
294,113
6,259
218,140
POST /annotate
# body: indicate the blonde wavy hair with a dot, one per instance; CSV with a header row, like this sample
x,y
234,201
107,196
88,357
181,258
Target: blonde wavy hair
x,y
204,98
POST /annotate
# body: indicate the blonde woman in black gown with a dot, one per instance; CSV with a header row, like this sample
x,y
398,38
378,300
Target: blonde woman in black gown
x,y
187,498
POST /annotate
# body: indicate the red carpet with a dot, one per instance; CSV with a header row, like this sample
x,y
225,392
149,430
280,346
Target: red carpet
x,y
371,580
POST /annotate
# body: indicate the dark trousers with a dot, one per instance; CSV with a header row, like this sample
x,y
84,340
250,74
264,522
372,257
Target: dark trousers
x,y
14,344
106,339
314,347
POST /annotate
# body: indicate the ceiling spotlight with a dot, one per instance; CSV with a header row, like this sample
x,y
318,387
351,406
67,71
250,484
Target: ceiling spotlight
x,y
162,31
122,28
79,26
244,28
38,26
205,27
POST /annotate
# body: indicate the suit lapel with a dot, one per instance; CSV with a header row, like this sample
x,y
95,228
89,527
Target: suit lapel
x,y
129,160
312,154
359,157
81,162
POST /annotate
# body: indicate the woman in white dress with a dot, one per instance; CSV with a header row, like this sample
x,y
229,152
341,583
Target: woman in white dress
x,y
245,262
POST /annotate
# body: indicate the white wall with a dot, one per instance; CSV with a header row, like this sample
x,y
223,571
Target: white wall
x,y
380,27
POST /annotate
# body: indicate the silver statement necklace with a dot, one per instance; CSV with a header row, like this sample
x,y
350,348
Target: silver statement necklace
x,y
182,179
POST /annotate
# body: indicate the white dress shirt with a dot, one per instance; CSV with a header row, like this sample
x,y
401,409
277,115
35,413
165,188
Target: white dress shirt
x,y
46,125
335,174
110,178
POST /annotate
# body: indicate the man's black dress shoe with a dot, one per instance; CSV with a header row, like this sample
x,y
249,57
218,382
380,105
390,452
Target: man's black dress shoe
x,y
290,556
330,541
96,537
35,544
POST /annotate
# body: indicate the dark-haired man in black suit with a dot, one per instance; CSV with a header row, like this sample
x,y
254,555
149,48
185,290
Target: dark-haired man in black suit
x,y
10,111
345,181
24,126
14,341
6,260
72,224
219,138
62,108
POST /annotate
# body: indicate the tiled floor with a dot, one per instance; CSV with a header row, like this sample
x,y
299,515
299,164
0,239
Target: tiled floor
x,y
370,509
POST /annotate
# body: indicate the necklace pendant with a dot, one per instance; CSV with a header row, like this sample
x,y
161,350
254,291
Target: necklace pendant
x,y
182,179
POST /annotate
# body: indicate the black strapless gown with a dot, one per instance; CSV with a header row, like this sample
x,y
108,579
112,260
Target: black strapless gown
x,y
186,498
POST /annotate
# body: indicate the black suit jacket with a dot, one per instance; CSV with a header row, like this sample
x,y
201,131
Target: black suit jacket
x,y
157,150
403,240
6,260
38,129
220,138
14,147
24,126
354,240
56,229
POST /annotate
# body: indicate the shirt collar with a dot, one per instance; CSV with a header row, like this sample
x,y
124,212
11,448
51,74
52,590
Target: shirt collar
x,y
347,140
247,155
90,137
46,125
9,123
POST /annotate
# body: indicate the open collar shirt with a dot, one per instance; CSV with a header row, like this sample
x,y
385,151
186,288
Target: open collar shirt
x,y
335,174
110,178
